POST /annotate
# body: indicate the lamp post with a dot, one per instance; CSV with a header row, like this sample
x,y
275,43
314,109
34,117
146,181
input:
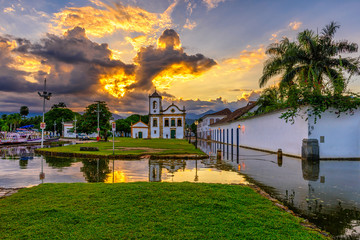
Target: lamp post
x,y
189,134
75,127
98,120
62,122
55,128
196,124
46,96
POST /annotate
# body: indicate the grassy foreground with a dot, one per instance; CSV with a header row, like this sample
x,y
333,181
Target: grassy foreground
x,y
130,146
146,211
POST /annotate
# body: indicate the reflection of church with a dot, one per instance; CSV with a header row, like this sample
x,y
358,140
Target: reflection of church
x,y
163,123
156,166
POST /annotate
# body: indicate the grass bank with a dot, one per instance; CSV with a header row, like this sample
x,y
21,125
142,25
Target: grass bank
x,y
146,211
130,148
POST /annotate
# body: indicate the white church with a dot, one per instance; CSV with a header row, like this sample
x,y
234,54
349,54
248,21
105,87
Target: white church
x,y
168,123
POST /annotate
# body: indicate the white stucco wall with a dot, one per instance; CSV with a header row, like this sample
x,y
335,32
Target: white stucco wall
x,y
268,132
341,134
154,131
179,129
135,132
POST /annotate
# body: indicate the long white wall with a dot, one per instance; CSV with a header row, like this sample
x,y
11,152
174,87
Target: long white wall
x,y
341,135
268,132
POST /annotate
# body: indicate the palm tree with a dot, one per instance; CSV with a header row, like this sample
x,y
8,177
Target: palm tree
x,y
313,61
24,111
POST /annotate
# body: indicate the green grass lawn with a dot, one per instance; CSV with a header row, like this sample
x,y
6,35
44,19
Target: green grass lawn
x,y
145,211
130,146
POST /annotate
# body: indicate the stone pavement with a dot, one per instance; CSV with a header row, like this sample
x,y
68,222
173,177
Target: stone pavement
x,y
4,192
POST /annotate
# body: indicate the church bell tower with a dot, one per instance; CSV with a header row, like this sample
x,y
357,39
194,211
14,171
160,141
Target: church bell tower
x,y
155,103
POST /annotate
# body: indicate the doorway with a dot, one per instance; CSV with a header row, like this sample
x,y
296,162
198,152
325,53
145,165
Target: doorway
x,y
172,133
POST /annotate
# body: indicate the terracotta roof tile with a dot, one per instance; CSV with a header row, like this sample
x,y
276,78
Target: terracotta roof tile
x,y
237,113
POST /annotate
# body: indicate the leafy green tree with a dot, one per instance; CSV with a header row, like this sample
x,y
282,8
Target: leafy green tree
x,y
313,61
125,124
88,122
36,120
58,115
24,111
95,170
14,120
59,105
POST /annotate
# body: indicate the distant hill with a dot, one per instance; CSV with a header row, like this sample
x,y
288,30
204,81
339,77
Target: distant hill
x,y
31,114
191,117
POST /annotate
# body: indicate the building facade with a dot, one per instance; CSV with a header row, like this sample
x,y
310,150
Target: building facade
x,y
139,130
203,129
338,136
165,123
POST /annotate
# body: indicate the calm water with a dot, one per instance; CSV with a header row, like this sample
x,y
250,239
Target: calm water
x,y
327,192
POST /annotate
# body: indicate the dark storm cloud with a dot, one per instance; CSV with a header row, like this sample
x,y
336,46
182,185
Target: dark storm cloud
x,y
152,60
76,62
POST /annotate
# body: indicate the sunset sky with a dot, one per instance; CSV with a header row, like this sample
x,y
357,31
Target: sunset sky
x,y
202,54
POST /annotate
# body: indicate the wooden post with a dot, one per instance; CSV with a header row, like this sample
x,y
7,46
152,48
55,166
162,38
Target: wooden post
x,y
279,157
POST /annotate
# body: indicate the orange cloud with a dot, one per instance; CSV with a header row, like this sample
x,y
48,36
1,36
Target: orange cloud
x,y
246,60
105,19
295,25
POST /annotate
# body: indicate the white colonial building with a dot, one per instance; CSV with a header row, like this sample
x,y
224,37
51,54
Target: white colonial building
x,y
203,128
139,130
163,123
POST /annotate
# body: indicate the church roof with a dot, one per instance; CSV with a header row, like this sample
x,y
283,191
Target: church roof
x,y
155,94
139,124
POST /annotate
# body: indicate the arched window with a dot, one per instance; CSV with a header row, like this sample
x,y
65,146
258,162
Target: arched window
x,y
154,104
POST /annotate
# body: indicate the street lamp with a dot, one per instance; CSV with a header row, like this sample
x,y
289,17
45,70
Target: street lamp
x,y
46,95
75,127
196,124
189,134
55,129
98,120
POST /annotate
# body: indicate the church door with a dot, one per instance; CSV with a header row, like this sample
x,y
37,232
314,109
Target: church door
x,y
172,133
140,134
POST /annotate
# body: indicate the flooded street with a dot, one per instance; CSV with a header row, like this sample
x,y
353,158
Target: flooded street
x,y
325,192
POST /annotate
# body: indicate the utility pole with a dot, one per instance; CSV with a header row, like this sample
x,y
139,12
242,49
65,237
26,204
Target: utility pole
x,y
75,127
46,96
98,120
62,122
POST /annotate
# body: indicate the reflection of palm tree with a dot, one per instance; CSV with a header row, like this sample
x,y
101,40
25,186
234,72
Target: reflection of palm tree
x,y
95,170
311,60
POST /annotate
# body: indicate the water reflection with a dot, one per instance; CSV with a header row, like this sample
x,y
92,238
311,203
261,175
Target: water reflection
x,y
95,170
310,169
326,192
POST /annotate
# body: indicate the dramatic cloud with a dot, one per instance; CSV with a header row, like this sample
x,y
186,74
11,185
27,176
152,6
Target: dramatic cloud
x,y
167,63
104,20
73,64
